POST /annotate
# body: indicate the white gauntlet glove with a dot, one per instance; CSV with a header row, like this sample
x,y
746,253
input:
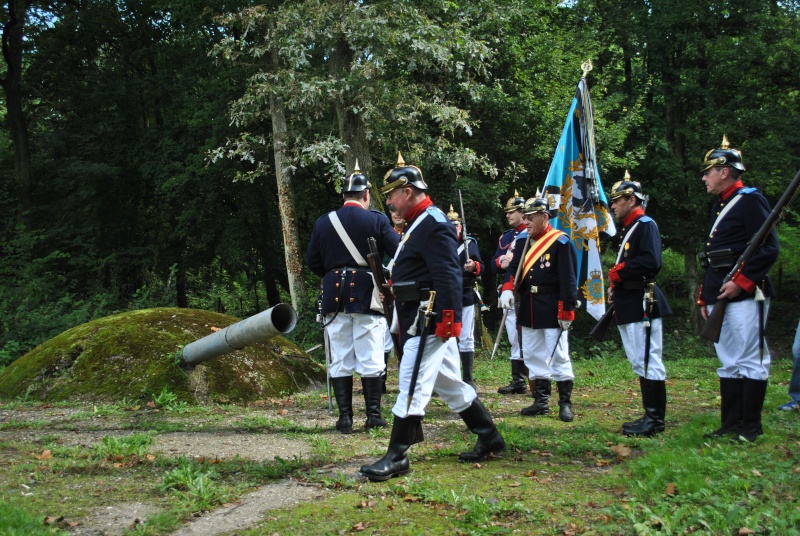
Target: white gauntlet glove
x,y
507,299
565,324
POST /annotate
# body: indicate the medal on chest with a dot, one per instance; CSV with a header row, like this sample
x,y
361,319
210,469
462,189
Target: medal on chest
x,y
544,261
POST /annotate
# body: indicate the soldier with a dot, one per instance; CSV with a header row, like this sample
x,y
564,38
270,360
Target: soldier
x,y
736,216
399,226
472,267
427,262
638,303
500,261
354,321
547,298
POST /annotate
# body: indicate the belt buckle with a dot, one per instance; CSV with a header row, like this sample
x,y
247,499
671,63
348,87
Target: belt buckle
x,y
534,289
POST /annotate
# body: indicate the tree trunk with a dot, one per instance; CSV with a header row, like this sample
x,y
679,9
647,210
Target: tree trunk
x,y
13,33
291,240
692,278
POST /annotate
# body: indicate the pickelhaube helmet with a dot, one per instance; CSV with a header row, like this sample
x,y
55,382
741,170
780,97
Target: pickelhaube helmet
x,y
626,187
453,216
515,203
723,157
402,175
536,204
356,181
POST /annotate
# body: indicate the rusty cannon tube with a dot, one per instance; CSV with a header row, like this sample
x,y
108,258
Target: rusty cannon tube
x,y
277,320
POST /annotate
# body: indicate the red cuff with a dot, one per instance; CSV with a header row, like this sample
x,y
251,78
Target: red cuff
x,y
699,301
447,327
508,285
747,285
613,276
497,262
564,315
478,267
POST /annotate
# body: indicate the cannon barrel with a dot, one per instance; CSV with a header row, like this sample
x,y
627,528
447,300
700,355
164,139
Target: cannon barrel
x,y
277,320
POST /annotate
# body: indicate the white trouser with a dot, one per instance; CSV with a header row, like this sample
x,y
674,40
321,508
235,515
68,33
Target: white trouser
x,y
466,341
388,343
737,348
513,336
633,339
440,371
356,342
537,347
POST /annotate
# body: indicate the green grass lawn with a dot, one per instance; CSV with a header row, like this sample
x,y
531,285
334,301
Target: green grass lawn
x,y
556,478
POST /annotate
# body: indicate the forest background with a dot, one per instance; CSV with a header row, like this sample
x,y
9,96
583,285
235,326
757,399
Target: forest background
x,y
163,153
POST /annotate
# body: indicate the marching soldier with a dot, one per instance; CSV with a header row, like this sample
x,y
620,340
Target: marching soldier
x,y
745,361
354,321
547,298
426,283
472,267
500,261
638,303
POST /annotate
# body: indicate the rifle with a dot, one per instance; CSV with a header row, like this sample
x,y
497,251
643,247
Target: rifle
x,y
375,266
713,326
601,328
321,321
463,224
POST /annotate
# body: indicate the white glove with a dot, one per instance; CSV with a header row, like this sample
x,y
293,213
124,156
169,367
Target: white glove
x,y
507,299
565,324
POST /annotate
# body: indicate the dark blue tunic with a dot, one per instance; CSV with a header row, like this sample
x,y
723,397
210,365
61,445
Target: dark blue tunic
x,y
327,256
639,263
468,296
506,240
543,310
734,231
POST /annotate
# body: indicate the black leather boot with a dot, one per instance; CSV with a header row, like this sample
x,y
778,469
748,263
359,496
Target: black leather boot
x,y
519,377
343,391
753,394
372,399
565,400
385,370
467,361
479,422
541,390
731,407
654,400
405,432
638,421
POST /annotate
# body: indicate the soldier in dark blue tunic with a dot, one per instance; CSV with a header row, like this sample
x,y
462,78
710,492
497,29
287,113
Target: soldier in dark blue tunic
x,y
427,261
500,261
471,269
736,216
354,321
547,295
639,304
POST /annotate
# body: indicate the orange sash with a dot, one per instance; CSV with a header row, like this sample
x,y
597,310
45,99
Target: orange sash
x,y
538,249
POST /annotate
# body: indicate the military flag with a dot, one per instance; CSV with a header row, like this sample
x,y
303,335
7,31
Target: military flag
x,y
573,186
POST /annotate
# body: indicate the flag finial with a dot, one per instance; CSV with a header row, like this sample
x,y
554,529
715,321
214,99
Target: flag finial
x,y
586,66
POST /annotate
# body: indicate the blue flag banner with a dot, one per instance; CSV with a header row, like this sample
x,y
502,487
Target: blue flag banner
x,y
573,186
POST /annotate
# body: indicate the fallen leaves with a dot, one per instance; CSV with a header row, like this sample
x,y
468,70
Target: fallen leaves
x,y
623,452
45,455
671,489
60,521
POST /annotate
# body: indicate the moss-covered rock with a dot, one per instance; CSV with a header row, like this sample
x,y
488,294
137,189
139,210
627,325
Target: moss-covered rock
x,y
137,354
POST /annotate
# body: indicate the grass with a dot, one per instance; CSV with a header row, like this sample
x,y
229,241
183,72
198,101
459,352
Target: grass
x,y
555,478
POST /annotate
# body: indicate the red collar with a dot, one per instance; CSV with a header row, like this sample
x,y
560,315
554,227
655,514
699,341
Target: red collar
x,y
521,227
353,204
545,230
417,210
730,190
635,214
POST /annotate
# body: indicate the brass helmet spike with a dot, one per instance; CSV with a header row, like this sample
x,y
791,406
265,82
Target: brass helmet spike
x,y
725,143
356,169
725,156
516,192
453,216
400,161
627,176
538,192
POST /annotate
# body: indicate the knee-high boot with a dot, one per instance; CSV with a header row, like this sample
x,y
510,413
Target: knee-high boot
x,y
654,400
372,400
385,370
730,391
541,390
519,375
565,400
405,432
467,361
479,422
753,394
343,391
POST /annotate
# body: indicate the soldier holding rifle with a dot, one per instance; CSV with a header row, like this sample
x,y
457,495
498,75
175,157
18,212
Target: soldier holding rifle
x,y
736,217
351,306
543,277
426,283
638,303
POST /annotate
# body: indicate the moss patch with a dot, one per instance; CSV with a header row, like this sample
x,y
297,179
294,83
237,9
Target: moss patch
x,y
136,354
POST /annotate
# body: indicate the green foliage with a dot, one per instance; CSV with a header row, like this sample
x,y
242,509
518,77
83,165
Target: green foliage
x,y
195,486
134,445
